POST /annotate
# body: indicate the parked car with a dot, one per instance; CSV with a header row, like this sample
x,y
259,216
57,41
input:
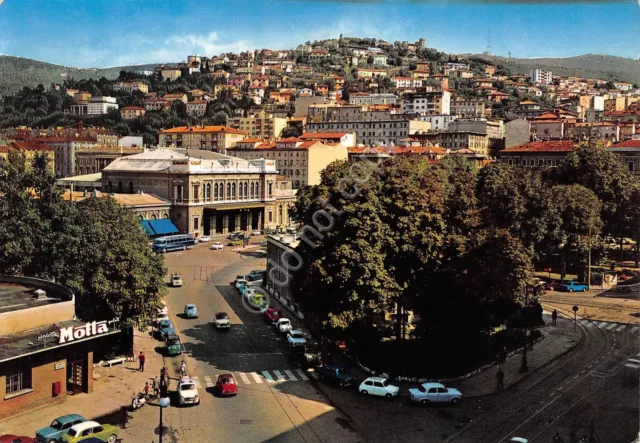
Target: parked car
x,y
378,386
91,430
254,280
574,286
191,311
58,427
284,325
161,316
173,345
257,273
518,440
238,277
273,315
176,279
204,239
256,233
221,320
305,356
240,282
435,393
165,328
553,285
335,374
243,289
538,282
216,245
188,392
226,385
296,337
256,299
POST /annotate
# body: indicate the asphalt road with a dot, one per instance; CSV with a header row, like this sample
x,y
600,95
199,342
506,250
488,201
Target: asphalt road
x,y
281,404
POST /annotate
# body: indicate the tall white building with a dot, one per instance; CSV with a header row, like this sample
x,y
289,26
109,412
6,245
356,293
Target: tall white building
x,y
541,77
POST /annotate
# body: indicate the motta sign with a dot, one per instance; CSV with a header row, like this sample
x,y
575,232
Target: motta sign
x,y
72,333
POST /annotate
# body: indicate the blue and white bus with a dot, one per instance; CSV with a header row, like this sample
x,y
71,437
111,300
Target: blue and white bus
x,y
173,243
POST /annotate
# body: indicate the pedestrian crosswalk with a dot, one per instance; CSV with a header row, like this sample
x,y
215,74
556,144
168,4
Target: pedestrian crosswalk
x,y
269,377
610,326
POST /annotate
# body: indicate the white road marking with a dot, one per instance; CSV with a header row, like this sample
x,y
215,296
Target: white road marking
x,y
302,375
197,382
208,381
620,328
256,377
268,377
635,328
611,326
279,376
244,378
290,375
599,374
601,324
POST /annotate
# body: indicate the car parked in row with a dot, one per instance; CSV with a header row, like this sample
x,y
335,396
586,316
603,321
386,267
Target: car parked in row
x,y
553,285
284,325
428,393
378,386
91,431
221,320
204,239
335,374
240,282
305,356
173,345
11,438
190,311
188,392
165,328
296,337
216,246
272,315
58,427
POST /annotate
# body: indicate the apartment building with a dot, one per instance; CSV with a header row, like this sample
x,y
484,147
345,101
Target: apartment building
x,y
494,130
475,141
197,107
156,104
210,138
436,102
131,87
297,160
94,160
373,99
132,112
65,152
387,132
261,125
541,77
439,122
467,108
94,106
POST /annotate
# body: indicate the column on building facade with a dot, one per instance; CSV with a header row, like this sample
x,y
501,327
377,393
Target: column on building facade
x,y
212,225
238,221
225,223
249,220
260,225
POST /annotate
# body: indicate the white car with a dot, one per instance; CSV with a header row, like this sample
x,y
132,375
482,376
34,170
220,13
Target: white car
x,y
284,325
221,320
428,393
188,392
378,386
256,233
241,282
204,239
216,245
296,337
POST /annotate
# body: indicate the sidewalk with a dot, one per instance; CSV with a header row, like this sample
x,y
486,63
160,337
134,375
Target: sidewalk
x,y
113,389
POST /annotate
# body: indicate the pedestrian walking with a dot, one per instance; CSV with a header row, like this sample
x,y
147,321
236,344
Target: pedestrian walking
x,y
141,359
554,316
183,369
147,388
500,379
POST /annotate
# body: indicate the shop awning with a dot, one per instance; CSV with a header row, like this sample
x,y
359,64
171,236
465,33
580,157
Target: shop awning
x,y
163,227
147,227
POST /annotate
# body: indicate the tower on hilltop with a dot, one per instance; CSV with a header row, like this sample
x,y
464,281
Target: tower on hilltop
x,y
420,44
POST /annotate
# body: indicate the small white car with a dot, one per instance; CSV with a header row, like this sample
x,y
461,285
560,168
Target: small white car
x,y
256,233
296,337
216,245
204,239
283,325
221,320
241,282
188,392
378,386
428,393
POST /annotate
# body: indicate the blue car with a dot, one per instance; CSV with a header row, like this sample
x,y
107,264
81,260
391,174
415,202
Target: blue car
x,y
165,328
242,289
58,427
190,311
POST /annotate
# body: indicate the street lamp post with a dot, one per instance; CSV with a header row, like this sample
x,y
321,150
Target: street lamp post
x,y
525,362
164,402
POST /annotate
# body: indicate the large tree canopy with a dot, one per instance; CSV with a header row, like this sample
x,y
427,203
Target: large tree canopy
x,y
94,247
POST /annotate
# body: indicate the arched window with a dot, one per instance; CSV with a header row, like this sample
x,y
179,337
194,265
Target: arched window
x,y
228,191
215,191
140,217
153,217
208,192
253,190
280,215
165,215
119,187
246,190
109,187
130,187
233,190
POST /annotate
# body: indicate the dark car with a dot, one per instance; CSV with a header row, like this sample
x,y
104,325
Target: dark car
x,y
335,374
10,438
553,285
305,356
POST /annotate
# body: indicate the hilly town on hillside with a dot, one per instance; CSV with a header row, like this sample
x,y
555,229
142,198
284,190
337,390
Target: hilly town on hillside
x,y
349,240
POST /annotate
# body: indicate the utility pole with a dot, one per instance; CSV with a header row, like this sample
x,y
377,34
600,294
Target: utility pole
x,y
589,263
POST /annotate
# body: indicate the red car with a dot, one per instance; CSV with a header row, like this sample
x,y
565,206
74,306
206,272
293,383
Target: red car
x,y
273,315
553,286
226,385
8,438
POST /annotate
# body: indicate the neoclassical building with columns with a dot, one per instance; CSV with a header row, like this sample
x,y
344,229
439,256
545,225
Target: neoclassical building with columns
x,y
209,193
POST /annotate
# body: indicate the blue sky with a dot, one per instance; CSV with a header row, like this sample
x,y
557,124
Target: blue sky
x,y
100,33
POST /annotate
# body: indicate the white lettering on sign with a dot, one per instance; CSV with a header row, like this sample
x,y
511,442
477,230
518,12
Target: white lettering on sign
x,y
72,333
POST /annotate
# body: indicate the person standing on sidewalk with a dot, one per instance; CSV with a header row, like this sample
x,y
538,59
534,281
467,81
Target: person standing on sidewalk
x,y
141,359
500,379
554,316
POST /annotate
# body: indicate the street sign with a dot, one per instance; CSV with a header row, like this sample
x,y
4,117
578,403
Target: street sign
x,y
575,308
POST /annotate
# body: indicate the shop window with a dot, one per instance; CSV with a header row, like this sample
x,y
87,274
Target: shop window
x,y
196,223
18,380
630,166
270,217
119,187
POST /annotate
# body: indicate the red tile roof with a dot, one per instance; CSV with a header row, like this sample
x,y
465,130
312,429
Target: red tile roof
x,y
322,135
627,144
182,129
289,140
548,146
60,139
26,146
133,108
547,116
